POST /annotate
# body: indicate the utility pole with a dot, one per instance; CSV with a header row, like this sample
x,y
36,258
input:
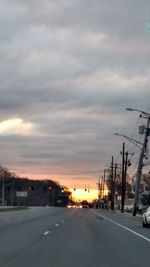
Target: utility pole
x,y
115,175
104,179
112,183
123,180
126,167
126,164
3,187
124,175
98,189
104,184
140,165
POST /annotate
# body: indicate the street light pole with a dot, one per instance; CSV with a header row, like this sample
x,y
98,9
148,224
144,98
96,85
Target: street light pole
x,y
140,164
139,171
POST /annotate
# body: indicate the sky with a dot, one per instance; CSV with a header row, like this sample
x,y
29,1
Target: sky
x,y
68,71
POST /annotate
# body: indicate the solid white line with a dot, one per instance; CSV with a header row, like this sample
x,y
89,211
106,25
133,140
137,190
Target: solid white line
x,y
124,227
46,233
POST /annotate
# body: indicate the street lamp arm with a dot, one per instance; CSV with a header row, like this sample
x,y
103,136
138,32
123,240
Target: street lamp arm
x,y
138,110
135,142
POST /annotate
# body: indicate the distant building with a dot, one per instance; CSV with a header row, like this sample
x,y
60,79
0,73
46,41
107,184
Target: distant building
x,y
26,192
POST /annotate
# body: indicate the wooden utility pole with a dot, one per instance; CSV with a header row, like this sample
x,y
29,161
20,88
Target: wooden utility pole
x,y
112,183
104,184
123,180
115,175
98,184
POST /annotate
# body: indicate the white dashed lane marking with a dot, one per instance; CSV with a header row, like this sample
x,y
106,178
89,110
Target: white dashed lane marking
x,y
56,225
47,232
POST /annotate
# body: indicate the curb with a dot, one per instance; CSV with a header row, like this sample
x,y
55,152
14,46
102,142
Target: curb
x,y
128,214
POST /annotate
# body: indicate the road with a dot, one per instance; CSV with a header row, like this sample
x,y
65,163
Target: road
x,y
61,237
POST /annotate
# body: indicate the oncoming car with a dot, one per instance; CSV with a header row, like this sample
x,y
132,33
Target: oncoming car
x,y
146,218
85,204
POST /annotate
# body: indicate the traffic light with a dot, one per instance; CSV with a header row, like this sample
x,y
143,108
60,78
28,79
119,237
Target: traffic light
x,y
74,189
62,190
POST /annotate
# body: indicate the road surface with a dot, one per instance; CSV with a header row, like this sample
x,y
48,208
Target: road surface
x,y
61,237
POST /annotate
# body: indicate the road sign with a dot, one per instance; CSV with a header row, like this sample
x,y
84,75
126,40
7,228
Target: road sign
x,y
21,194
59,201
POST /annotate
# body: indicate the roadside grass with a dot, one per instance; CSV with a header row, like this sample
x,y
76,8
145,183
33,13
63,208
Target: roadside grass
x,y
13,209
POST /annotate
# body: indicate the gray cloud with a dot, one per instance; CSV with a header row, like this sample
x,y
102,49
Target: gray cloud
x,y
71,68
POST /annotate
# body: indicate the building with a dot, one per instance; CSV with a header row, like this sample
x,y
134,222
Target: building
x,y
26,192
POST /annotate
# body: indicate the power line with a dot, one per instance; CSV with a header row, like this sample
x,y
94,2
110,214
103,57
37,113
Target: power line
x,y
132,135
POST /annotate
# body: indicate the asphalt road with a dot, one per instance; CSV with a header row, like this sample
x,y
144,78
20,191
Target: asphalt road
x,y
59,237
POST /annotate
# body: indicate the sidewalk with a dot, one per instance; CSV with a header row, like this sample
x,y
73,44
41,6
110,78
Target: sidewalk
x,y
129,214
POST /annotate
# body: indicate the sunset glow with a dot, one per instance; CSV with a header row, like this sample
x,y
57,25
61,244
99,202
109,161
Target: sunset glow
x,y
80,194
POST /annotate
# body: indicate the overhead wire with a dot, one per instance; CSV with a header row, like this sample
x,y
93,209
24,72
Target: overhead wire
x,y
133,158
132,135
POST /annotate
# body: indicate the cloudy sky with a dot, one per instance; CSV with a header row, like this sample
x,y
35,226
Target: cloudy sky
x,y
68,70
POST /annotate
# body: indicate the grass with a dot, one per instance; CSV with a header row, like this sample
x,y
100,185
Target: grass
x,y
13,209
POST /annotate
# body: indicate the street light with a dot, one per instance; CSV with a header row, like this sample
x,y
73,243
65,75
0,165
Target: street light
x,y
135,142
138,110
140,164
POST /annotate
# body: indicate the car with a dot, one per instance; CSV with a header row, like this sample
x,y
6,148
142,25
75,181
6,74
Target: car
x,y
146,218
85,204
